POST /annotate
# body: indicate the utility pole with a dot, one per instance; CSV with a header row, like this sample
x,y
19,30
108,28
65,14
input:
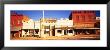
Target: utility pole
x,y
41,25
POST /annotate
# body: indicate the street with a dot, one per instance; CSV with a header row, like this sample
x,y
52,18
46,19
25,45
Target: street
x,y
65,37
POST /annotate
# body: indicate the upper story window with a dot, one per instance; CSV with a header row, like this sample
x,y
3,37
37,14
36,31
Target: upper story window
x,y
13,23
84,11
46,27
77,17
18,22
83,18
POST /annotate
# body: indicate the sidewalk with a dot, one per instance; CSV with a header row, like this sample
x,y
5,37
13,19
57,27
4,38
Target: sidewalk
x,y
76,37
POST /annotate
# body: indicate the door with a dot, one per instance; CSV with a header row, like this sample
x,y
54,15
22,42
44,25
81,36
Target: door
x,y
65,32
53,32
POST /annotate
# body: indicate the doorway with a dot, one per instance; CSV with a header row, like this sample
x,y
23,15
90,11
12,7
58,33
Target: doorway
x,y
65,32
53,32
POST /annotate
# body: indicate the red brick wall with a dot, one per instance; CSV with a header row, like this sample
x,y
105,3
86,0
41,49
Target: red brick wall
x,y
83,17
16,19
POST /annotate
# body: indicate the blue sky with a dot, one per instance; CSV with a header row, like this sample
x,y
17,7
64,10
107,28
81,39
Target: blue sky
x,y
37,14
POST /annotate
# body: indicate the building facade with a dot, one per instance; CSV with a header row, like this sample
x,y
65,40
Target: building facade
x,y
46,27
84,21
64,27
28,28
83,18
79,22
16,24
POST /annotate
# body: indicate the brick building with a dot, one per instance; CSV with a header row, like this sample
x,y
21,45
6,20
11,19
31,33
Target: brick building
x,y
83,18
84,21
16,23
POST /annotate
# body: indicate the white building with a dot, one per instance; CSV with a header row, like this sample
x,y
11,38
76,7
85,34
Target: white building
x,y
64,27
47,27
37,28
28,28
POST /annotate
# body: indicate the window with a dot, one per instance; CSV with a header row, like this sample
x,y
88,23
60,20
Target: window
x,y
70,31
79,11
83,18
18,22
53,27
84,11
36,31
46,32
13,22
26,30
77,17
59,31
31,31
46,27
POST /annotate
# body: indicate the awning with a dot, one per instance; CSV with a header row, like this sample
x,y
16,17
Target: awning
x,y
64,28
86,28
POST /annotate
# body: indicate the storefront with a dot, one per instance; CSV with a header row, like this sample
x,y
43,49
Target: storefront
x,y
64,31
86,31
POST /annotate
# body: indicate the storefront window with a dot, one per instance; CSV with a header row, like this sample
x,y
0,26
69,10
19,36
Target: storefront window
x,y
36,31
46,32
26,30
70,31
59,31
31,31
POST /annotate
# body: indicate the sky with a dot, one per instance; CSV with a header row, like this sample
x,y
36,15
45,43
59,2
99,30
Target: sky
x,y
37,14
